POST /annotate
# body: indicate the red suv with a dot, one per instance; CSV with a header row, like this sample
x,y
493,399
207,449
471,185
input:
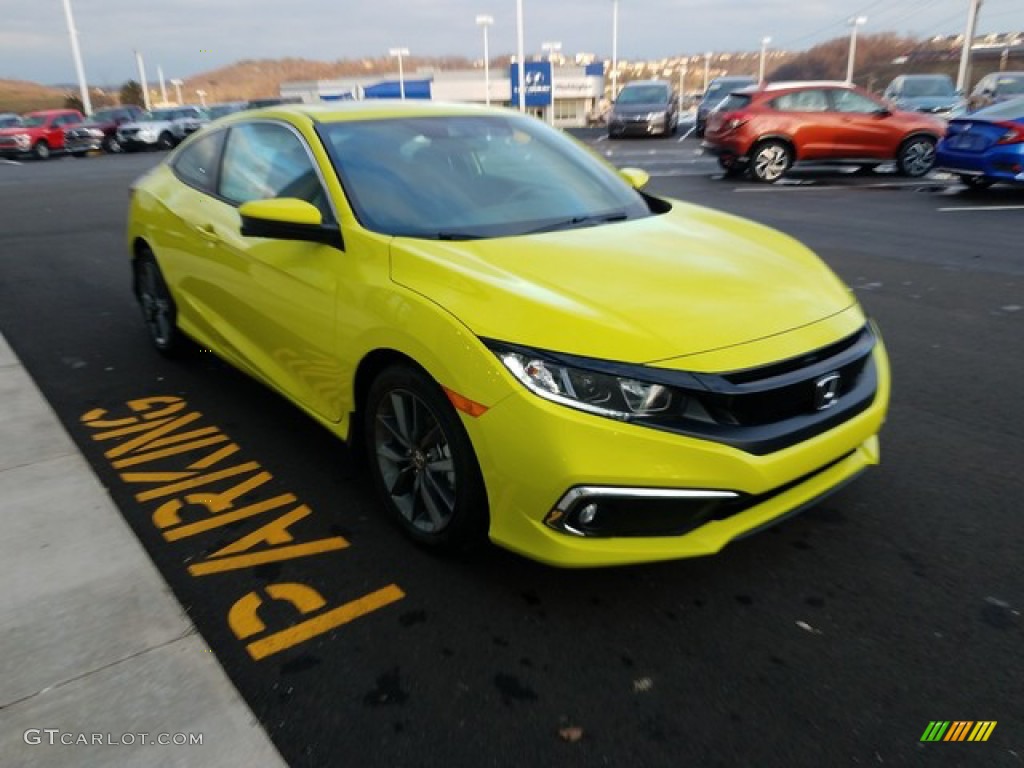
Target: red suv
x,y
765,129
40,133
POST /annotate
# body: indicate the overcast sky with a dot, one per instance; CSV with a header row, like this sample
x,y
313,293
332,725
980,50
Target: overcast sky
x,y
190,36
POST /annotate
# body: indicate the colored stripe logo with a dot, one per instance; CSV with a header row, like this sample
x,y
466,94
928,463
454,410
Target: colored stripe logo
x,y
958,730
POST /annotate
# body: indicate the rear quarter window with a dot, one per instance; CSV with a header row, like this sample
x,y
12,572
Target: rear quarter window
x,y
733,102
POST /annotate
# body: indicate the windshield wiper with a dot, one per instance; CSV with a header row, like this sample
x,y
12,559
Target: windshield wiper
x,y
580,221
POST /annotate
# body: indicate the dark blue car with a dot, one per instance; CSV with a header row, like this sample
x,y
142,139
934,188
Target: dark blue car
x,y
985,147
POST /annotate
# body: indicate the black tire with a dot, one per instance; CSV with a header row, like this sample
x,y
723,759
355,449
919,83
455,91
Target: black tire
x,y
769,161
112,146
916,156
976,183
159,312
41,151
422,461
732,167
165,142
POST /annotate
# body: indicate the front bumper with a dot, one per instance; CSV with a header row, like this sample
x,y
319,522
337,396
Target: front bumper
x,y
75,144
15,149
636,126
135,140
533,453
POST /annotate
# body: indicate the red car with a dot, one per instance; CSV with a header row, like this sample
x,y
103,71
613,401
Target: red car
x,y
766,129
40,134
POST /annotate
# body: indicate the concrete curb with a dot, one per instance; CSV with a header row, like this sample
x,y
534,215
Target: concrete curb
x,y
97,658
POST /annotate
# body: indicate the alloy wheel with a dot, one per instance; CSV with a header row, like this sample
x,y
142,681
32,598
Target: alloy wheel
x,y
917,157
770,162
414,456
157,305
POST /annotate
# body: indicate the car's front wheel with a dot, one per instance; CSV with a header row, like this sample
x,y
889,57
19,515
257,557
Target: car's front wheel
x,y
916,156
111,145
770,160
158,309
41,151
422,461
165,142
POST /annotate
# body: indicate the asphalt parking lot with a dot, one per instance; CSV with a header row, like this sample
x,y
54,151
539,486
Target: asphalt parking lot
x,y
831,639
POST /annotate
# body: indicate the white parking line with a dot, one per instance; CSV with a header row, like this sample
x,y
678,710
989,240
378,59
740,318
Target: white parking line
x,y
5,161
602,137
687,133
790,188
983,208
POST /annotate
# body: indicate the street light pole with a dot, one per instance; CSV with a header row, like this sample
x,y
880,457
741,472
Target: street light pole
x,y
520,54
400,52
77,55
764,52
854,23
963,76
142,80
615,49
682,84
163,87
202,97
551,49
707,69
177,83
485,22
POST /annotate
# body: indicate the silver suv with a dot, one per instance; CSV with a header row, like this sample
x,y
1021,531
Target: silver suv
x,y
162,128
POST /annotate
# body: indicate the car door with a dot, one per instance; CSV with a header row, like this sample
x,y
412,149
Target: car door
x,y
804,116
281,295
862,127
55,131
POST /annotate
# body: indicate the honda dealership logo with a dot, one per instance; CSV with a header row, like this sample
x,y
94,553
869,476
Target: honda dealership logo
x,y
537,76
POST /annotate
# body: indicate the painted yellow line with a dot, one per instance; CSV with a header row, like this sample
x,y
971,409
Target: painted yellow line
x,y
195,482
234,562
142,458
332,619
226,518
132,445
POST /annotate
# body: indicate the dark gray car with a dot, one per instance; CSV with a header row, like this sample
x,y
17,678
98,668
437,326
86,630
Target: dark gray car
x,y
644,108
717,90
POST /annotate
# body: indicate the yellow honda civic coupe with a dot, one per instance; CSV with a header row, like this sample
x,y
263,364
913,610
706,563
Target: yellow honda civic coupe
x,y
526,345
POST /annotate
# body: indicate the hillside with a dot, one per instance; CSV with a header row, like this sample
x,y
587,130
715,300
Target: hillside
x,y
23,96
260,78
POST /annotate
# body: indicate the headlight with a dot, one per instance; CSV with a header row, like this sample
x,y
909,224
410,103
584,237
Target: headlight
x,y
617,397
656,116
23,139
96,133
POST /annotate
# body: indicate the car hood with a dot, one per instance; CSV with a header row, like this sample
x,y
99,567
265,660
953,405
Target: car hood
x,y
666,286
929,102
154,125
639,109
14,131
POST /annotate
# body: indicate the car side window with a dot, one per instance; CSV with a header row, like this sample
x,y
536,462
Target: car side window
x,y
851,101
265,160
802,101
196,164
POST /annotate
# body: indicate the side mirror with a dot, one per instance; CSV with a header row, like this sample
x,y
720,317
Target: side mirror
x,y
287,218
882,112
637,178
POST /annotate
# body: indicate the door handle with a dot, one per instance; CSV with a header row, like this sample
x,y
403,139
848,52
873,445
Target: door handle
x,y
207,232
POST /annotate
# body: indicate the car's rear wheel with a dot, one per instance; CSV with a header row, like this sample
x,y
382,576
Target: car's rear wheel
x,y
166,141
770,160
976,182
916,156
41,151
159,312
422,461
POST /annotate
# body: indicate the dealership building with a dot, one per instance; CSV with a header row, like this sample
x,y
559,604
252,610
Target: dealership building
x,y
565,95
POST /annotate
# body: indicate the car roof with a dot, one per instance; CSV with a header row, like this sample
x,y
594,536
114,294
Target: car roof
x,y
44,112
928,76
646,82
369,109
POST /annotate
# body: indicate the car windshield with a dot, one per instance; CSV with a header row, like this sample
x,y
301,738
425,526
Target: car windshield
x,y
928,86
219,110
469,177
1007,84
34,121
102,115
717,91
643,94
158,115
6,122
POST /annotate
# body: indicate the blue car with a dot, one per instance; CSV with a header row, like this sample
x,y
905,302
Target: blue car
x,y
985,147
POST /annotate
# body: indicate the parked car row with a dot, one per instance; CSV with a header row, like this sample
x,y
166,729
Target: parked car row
x,y
764,130
115,129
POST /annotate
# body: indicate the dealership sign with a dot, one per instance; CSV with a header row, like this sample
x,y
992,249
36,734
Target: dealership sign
x,y
538,83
